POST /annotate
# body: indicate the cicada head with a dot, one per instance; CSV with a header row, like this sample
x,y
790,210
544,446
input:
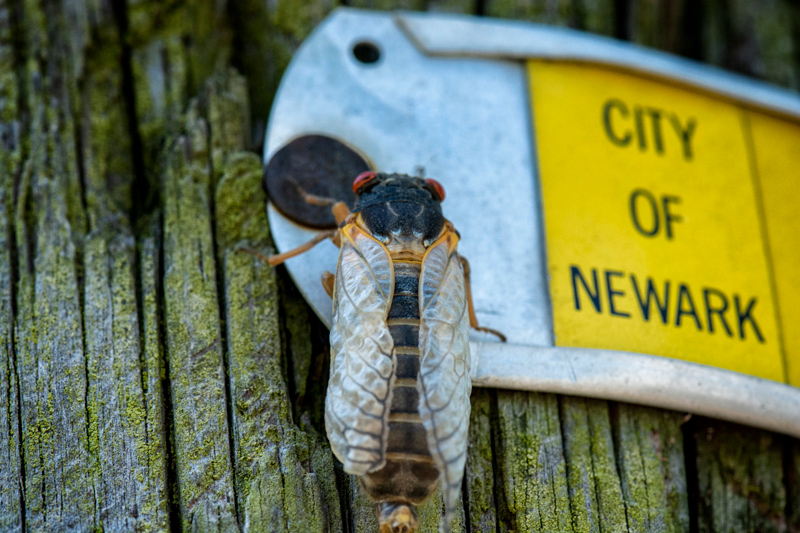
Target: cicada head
x,y
370,187
399,207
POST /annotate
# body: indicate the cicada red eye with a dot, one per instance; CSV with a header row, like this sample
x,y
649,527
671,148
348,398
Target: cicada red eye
x,y
362,179
437,188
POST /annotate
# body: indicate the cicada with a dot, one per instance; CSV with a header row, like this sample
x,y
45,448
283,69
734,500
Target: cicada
x,y
397,407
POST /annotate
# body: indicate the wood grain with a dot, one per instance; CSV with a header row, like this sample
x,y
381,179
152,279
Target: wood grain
x,y
153,376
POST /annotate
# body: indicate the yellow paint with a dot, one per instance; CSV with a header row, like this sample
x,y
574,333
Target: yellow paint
x,y
591,167
777,149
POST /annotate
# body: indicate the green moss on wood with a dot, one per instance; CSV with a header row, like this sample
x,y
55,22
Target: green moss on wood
x,y
11,490
479,469
363,514
650,458
594,485
431,514
201,25
131,485
193,333
385,5
739,481
533,468
597,16
107,157
753,38
11,505
555,454
792,479
297,335
175,46
225,104
659,24
466,7
59,468
269,33
560,12
277,478
153,378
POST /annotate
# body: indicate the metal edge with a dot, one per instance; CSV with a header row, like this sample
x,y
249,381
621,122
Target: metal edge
x,y
642,379
463,35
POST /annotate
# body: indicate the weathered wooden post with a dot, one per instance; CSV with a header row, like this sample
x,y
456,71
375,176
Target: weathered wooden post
x,y
153,378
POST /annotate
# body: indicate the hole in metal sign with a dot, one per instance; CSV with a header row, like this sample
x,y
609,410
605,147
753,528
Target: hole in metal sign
x,y
319,165
366,52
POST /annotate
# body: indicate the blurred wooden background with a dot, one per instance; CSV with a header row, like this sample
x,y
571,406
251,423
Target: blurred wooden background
x,y
152,378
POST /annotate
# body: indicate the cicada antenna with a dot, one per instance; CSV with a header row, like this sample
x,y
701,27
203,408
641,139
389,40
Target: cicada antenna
x,y
338,208
312,199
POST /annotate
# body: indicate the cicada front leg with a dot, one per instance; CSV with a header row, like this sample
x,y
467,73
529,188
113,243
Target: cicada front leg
x,y
473,318
327,282
333,235
340,212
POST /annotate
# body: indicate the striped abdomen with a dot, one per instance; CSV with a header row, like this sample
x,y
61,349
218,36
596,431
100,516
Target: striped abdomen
x,y
409,475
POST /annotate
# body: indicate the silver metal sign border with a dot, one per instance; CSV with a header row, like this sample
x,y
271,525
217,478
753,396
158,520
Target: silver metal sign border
x,y
608,374
449,35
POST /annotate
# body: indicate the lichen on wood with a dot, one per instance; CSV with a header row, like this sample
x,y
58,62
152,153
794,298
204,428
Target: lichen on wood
x,y
559,12
479,473
276,464
11,465
131,488
595,493
754,38
533,471
650,458
270,32
737,486
194,344
107,420
11,485
59,469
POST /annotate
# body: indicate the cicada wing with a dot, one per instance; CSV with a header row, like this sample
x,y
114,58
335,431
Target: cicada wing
x,y
362,354
444,377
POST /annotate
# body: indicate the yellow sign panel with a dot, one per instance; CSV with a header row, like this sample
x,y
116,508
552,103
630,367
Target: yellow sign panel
x,y
776,144
654,237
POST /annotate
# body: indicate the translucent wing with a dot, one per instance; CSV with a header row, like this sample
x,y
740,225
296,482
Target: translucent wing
x,y
445,383
362,358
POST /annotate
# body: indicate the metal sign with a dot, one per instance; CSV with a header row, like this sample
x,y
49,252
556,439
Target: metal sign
x,y
629,215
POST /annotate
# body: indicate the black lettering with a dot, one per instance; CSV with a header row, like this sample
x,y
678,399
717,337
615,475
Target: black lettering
x,y
655,120
637,115
653,207
683,294
746,316
644,304
612,293
593,296
710,310
669,218
684,134
623,110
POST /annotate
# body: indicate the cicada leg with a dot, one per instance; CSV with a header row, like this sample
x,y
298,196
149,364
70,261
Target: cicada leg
x,y
327,282
473,318
340,212
275,260
339,208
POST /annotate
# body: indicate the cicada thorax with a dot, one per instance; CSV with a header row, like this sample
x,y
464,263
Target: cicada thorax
x,y
406,228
